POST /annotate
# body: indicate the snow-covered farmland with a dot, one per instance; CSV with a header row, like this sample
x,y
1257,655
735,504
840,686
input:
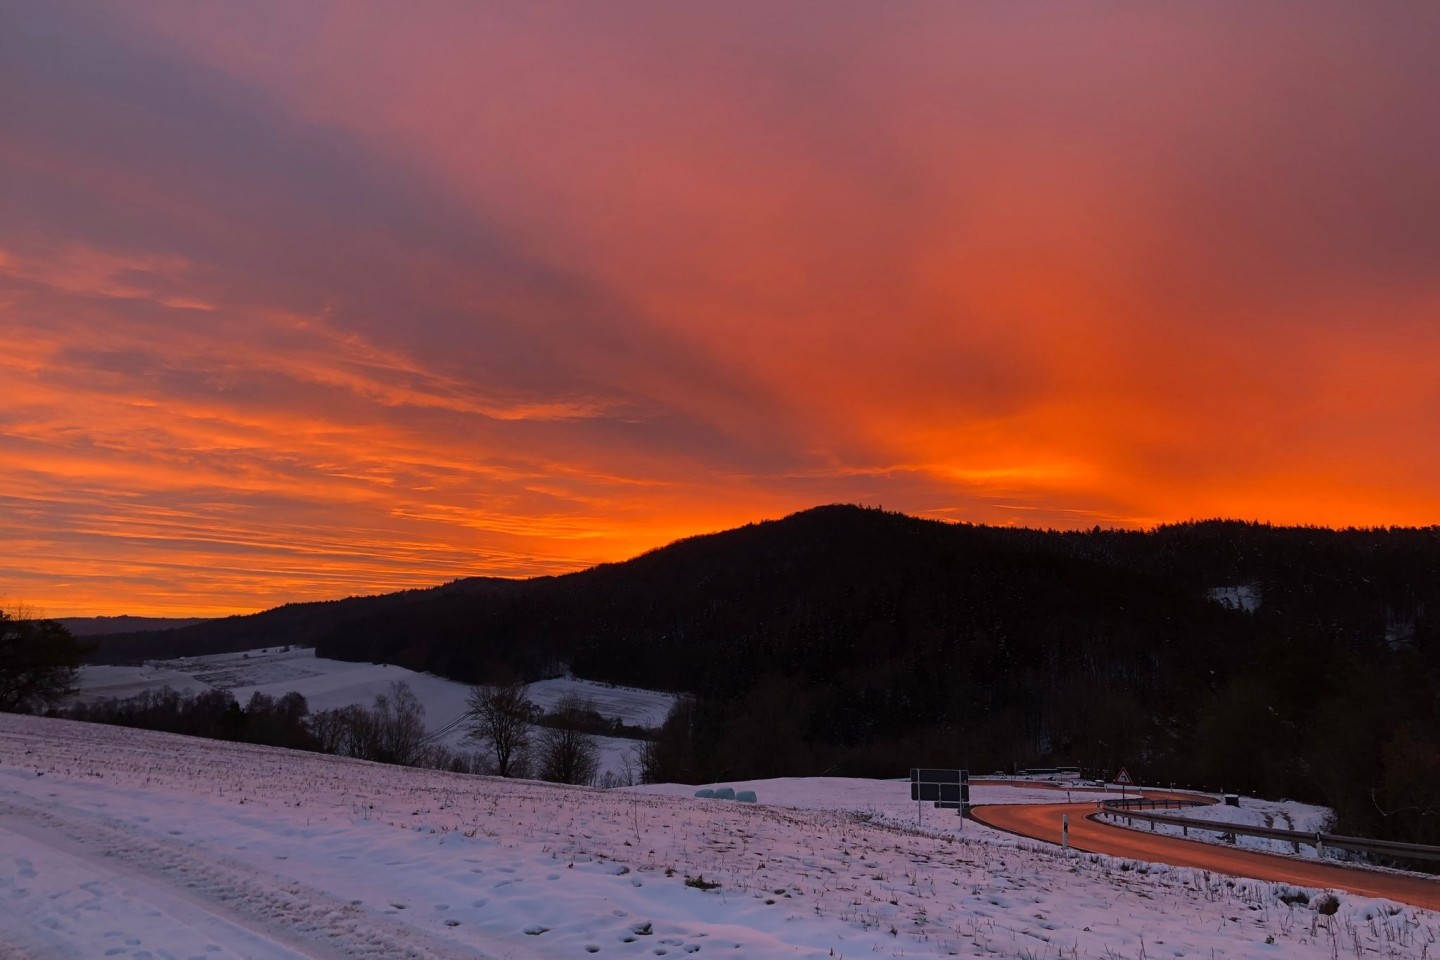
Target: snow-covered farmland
x,y
327,684
118,842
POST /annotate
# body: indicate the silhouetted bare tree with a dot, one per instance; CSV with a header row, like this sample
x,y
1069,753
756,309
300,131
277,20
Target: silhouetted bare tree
x,y
567,754
400,725
499,722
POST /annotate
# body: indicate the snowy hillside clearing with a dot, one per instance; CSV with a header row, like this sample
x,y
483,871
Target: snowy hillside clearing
x,y
118,842
327,684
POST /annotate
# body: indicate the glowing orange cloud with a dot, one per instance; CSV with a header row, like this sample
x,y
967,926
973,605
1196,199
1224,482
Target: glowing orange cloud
x,y
299,301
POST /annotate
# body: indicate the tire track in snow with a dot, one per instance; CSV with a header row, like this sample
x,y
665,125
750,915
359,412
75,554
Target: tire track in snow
x,y
273,917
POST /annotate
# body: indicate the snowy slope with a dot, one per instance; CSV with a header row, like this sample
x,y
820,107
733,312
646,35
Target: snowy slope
x,y
128,843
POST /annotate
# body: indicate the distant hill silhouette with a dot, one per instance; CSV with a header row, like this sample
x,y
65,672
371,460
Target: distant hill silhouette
x,y
854,641
295,624
97,626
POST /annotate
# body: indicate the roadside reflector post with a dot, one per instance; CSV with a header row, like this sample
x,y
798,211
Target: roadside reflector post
x,y
1064,831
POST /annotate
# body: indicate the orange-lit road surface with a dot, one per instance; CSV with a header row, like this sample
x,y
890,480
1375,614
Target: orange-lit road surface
x,y
1042,822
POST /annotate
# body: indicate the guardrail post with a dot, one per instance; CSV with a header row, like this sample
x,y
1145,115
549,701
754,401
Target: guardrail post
x,y
1319,846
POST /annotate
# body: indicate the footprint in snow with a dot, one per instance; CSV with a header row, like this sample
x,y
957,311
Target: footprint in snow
x,y
534,930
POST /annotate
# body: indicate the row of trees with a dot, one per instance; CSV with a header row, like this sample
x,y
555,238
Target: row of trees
x,y
511,736
214,714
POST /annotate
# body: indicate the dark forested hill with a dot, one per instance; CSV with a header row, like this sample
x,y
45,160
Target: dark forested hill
x,y
98,626
853,641
295,624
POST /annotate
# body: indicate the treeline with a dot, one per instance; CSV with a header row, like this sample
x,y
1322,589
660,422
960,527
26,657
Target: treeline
x,y
558,745
390,730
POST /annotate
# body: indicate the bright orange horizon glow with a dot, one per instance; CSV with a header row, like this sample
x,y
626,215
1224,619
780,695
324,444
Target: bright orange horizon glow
x,y
306,301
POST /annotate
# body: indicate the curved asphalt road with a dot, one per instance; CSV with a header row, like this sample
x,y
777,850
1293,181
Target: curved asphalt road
x,y
1041,821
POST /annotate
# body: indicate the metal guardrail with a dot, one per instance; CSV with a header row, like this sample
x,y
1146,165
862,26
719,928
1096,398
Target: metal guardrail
x,y
1130,810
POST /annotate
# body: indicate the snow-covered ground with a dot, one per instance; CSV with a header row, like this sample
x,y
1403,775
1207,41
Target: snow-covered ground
x,y
328,684
1245,596
127,843
1276,814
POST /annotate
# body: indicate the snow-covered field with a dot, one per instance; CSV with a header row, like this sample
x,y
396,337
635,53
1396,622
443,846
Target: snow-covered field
x,y
128,843
327,684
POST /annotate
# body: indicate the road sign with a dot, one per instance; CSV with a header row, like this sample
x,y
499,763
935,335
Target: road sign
x,y
1124,777
947,788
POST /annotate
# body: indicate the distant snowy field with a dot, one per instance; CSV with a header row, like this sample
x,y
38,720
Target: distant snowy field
x,y
327,684
128,843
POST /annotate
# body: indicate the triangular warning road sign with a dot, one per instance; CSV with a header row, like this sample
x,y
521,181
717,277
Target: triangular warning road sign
x,y
1124,776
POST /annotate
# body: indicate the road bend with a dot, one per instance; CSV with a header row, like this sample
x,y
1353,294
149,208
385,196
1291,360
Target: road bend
x,y
1042,821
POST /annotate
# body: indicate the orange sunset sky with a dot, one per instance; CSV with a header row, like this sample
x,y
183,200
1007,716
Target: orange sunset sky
x,y
304,300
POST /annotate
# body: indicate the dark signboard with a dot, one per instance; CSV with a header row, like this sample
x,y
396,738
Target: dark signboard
x,y
945,788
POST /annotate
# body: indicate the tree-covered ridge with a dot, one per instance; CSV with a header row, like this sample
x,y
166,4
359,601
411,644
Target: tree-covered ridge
x,y
854,641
